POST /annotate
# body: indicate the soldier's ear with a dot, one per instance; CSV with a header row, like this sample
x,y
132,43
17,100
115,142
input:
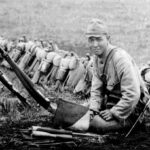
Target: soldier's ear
x,y
108,38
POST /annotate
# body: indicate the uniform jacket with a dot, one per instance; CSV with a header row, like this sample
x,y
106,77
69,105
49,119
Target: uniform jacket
x,y
123,70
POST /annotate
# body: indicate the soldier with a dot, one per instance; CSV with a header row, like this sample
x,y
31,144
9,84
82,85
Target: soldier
x,y
116,83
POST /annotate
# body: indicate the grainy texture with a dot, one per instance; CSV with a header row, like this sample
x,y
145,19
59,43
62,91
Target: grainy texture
x,y
65,21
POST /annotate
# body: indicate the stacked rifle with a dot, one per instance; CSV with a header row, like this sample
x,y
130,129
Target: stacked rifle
x,y
48,137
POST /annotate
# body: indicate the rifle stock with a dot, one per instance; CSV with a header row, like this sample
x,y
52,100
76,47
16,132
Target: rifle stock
x,y
50,130
49,135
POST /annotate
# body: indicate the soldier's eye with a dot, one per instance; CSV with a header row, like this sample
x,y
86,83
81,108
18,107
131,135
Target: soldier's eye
x,y
91,39
99,39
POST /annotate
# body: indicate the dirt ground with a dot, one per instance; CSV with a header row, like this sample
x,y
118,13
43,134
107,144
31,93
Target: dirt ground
x,y
11,124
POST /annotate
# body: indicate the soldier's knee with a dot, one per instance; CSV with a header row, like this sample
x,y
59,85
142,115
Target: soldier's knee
x,y
99,125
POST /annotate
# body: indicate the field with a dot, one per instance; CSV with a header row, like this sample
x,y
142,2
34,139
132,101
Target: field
x,y
65,22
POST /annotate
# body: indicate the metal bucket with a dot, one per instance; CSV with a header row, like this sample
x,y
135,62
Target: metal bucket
x,y
68,113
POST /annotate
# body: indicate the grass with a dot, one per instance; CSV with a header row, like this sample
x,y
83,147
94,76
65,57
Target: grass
x,y
65,22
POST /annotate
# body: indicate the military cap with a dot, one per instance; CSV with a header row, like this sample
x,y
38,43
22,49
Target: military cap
x,y
96,28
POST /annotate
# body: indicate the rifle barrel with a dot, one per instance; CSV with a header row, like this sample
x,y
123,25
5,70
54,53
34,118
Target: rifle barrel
x,y
141,114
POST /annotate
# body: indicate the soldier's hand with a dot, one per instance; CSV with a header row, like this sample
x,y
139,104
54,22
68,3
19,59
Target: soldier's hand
x,y
106,115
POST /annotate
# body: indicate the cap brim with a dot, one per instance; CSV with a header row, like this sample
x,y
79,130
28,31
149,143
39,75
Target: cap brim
x,y
94,35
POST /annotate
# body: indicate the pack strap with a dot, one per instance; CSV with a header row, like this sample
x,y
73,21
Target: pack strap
x,y
110,55
103,77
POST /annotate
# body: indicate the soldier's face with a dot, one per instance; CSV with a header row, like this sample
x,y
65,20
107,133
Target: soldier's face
x,y
98,45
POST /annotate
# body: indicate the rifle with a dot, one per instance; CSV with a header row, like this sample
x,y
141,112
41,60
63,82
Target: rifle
x,y
45,136
138,119
38,131
9,85
30,87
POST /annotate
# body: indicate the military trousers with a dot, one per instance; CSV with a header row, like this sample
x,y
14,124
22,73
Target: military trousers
x,y
101,126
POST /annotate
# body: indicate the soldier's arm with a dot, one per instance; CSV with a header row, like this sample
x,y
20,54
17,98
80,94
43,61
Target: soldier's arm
x,y
130,88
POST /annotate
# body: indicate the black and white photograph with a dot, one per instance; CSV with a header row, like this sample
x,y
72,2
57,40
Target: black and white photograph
x,y
75,74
